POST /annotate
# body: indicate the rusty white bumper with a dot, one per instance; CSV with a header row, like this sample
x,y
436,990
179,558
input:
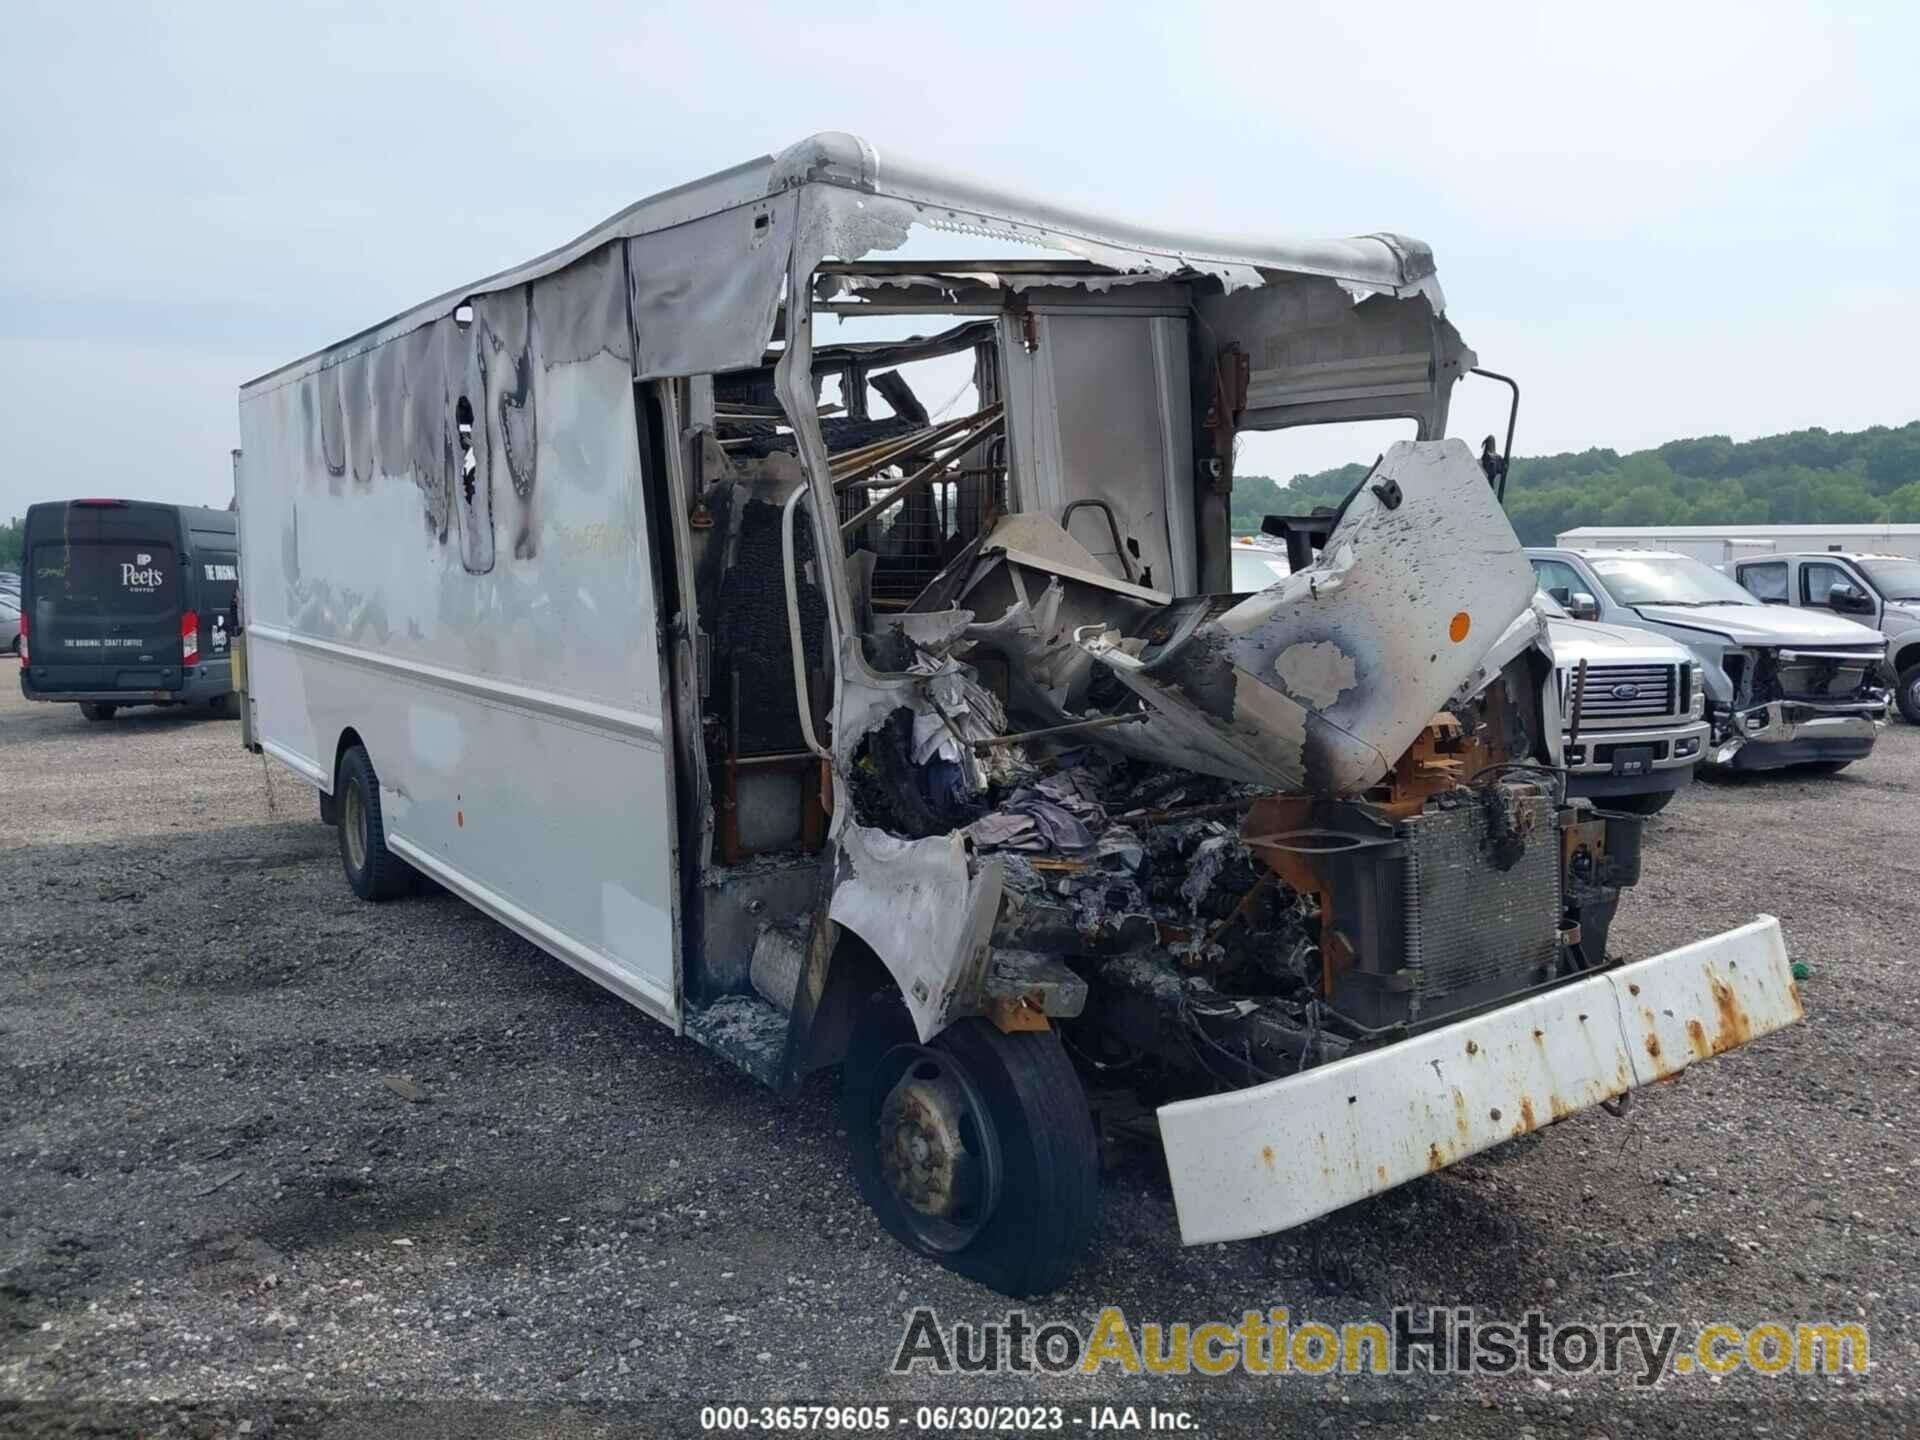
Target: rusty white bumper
x,y
1262,1159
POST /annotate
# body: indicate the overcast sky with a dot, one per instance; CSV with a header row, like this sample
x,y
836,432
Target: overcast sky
x,y
1670,220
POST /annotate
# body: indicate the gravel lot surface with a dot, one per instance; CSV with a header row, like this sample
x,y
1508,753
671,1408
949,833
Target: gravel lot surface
x,y
265,1149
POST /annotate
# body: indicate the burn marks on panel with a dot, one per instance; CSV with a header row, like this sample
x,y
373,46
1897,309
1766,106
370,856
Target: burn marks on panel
x,y
452,407
1318,354
578,314
474,485
506,351
333,425
422,421
358,404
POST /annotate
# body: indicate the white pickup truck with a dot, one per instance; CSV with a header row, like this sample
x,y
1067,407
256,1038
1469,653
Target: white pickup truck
x,y
1639,726
1878,590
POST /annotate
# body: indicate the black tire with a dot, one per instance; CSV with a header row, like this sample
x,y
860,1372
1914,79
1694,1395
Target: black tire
x,y
1639,804
1908,694
373,871
1826,767
97,712
1034,1226
226,707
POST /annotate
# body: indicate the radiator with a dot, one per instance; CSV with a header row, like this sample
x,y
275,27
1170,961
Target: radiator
x,y
1474,931
1437,926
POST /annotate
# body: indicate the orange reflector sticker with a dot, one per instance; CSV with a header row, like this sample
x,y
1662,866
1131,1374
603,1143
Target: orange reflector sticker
x,y
1462,623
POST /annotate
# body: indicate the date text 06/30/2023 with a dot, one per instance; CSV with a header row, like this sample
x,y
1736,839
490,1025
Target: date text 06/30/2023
x,y
939,1419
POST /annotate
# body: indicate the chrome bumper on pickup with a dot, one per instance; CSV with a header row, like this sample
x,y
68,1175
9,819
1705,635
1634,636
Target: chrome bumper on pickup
x,y
1254,1161
1675,745
1790,732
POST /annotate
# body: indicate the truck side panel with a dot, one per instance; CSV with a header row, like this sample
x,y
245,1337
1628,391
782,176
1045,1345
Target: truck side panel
x,y
446,555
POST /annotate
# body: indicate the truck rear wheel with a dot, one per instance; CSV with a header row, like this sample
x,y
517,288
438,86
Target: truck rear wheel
x,y
373,871
96,711
976,1150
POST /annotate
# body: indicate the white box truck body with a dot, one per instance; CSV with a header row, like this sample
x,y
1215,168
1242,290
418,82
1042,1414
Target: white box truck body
x,y
495,646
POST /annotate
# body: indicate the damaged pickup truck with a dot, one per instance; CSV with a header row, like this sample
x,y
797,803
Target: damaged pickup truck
x,y
836,727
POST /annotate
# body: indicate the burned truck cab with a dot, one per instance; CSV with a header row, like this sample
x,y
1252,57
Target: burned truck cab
x,y
1380,839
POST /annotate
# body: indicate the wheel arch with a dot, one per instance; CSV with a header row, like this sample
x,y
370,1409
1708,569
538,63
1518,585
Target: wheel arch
x,y
349,738
926,908
854,972
1905,656
330,797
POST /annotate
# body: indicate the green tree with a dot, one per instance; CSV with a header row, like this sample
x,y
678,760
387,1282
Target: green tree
x,y
13,537
1892,462
1903,505
1805,476
1642,505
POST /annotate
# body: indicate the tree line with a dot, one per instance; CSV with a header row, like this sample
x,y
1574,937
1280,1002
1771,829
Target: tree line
x,y
1814,477
1829,477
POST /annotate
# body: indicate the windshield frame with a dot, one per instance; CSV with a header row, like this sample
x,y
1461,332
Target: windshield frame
x,y
1904,591
1724,590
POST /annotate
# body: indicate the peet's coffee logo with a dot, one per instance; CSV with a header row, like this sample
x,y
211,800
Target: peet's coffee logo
x,y
143,576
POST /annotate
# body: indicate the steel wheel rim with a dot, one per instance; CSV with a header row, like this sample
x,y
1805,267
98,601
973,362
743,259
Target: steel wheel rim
x,y
1913,693
353,824
939,1153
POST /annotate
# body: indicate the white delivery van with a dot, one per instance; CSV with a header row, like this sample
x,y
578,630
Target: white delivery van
x,y
835,722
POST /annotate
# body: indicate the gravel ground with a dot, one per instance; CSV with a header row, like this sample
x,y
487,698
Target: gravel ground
x,y
274,1159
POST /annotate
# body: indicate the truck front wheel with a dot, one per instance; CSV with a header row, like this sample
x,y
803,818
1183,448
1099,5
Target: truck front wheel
x,y
976,1150
373,871
1909,694
97,712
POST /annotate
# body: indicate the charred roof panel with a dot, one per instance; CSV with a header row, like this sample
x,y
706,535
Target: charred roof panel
x,y
863,201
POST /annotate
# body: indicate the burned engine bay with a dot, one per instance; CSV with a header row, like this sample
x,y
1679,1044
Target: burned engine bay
x,y
1235,834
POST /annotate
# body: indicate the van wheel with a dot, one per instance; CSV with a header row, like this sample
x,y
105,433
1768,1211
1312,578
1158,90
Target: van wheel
x,y
373,871
1909,695
977,1150
227,707
1641,804
97,712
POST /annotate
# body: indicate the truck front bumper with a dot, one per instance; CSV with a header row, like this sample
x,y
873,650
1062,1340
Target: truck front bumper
x,y
1254,1161
1671,751
1787,732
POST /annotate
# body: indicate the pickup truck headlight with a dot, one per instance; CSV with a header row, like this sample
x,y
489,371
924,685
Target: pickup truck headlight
x,y
1697,688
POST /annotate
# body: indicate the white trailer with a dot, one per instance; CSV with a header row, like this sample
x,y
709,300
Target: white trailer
x,y
831,730
1717,544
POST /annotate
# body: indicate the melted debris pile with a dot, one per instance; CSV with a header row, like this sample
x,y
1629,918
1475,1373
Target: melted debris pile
x,y
1060,814
1173,877
1102,854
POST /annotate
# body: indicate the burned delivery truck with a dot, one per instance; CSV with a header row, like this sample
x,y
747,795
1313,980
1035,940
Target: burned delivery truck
x,y
802,605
